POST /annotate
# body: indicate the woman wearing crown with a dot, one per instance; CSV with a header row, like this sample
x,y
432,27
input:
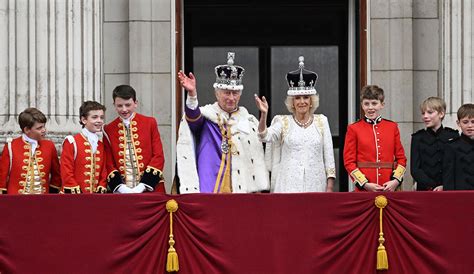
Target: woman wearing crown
x,y
299,146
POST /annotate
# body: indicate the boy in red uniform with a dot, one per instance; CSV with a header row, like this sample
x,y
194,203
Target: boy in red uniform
x,y
29,163
373,154
135,156
83,158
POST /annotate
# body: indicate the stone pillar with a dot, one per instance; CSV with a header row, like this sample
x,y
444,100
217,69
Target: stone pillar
x,y
139,51
426,55
456,55
51,59
391,62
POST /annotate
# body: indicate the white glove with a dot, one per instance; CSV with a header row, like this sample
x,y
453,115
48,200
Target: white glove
x,y
124,189
140,188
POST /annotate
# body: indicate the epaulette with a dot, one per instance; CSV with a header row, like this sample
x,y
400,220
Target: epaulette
x,y
418,132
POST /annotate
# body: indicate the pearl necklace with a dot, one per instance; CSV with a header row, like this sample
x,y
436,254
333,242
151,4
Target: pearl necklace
x,y
303,124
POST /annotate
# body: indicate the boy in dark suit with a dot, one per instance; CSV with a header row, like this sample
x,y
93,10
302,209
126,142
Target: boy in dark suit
x,y
427,146
459,154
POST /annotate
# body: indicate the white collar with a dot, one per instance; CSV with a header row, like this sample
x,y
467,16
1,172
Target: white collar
x,y
32,142
92,138
126,122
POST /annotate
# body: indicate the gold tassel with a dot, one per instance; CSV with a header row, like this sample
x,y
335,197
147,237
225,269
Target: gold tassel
x,y
382,258
172,263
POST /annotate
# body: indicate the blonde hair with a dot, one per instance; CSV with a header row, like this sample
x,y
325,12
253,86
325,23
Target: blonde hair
x,y
314,103
434,103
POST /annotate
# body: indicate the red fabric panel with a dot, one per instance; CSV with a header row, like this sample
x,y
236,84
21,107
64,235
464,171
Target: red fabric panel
x,y
426,232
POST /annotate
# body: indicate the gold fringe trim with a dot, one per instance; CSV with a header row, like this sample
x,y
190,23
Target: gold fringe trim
x,y
172,263
382,258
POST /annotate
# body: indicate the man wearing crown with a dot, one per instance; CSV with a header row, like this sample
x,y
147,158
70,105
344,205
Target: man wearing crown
x,y
218,150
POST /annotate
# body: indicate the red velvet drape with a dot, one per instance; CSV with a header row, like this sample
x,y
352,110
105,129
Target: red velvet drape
x,y
425,232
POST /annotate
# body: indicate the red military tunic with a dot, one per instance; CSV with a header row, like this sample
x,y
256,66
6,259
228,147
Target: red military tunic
x,y
83,171
13,181
147,147
373,152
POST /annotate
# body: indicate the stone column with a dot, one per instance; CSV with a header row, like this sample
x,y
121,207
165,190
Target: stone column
x,y
456,55
139,50
391,62
51,59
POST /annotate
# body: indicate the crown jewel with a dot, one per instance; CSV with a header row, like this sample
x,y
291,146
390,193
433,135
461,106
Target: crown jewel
x,y
301,81
229,76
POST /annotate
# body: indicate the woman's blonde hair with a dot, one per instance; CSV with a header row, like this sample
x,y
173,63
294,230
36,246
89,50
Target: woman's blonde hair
x,y
314,103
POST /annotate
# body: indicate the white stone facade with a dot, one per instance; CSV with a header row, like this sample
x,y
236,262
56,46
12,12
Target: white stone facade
x,y
420,48
56,54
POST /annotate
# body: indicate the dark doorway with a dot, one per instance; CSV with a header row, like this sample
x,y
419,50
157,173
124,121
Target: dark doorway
x,y
268,37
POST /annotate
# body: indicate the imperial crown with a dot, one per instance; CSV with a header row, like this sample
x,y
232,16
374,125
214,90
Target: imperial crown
x,y
229,76
301,81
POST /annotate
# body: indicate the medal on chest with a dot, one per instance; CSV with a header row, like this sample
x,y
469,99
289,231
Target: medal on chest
x,y
226,143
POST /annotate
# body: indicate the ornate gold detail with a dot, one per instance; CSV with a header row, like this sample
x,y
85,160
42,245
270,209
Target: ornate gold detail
x,y
399,172
359,177
192,119
101,189
74,189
